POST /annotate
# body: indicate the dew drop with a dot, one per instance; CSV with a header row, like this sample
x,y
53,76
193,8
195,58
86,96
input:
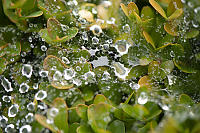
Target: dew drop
x,y
96,29
31,106
29,117
6,98
143,98
65,60
6,84
12,111
43,73
57,76
69,73
23,88
25,129
27,70
95,40
10,128
43,48
40,95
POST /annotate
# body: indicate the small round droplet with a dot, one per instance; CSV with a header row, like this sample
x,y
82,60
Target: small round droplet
x,y
6,98
23,88
43,73
6,84
25,129
43,48
13,110
27,70
10,128
53,112
69,73
96,29
57,76
31,106
29,117
95,40
65,60
143,98
40,95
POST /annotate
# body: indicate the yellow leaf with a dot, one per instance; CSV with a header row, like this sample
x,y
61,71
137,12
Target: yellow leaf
x,y
149,39
176,14
132,7
86,15
145,82
158,8
171,29
125,9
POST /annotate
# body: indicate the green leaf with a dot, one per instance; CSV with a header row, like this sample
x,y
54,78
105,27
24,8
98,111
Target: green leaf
x,y
55,62
55,33
99,98
117,127
147,13
43,121
84,129
99,116
33,15
73,127
61,118
3,63
185,99
176,14
81,110
148,127
167,66
137,71
153,109
192,34
184,67
136,111
155,72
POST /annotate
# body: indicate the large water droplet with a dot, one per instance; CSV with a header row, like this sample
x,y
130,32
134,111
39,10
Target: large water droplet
x,y
27,70
40,95
29,117
122,46
25,129
6,98
143,98
69,73
10,128
6,84
120,70
23,88
57,76
13,110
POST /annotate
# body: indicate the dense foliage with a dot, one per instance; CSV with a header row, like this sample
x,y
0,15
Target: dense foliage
x,y
94,66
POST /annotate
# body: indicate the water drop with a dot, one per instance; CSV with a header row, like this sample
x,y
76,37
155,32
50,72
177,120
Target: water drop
x,y
12,111
120,70
95,40
53,112
3,121
10,128
96,29
25,129
23,88
27,70
65,60
43,73
31,106
69,73
29,117
84,36
40,95
43,48
6,84
57,76
6,98
143,98
122,46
